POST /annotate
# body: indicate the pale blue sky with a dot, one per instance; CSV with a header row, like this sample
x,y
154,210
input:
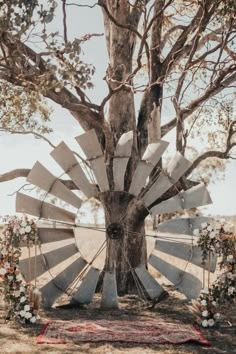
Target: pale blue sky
x,y
23,151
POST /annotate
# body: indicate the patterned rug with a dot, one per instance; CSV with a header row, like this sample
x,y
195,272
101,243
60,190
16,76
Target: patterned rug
x,y
132,331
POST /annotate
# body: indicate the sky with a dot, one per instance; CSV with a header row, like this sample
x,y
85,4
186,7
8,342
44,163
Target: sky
x,y
21,151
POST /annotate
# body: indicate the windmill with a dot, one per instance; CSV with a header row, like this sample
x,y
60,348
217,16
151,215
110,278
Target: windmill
x,y
60,227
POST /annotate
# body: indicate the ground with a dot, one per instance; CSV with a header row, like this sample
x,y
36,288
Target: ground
x,y
15,338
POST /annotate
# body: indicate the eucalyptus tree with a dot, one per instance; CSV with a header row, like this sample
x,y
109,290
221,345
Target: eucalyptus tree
x,y
171,53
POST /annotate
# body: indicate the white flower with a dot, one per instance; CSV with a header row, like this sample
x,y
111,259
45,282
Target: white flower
x,y
230,258
211,322
229,275
203,303
38,317
2,271
22,313
22,299
209,228
217,316
212,234
205,291
217,225
196,232
7,265
36,291
19,277
227,228
10,278
214,303
204,225
17,293
28,315
205,313
22,231
204,323
231,290
23,224
26,307
57,89
22,289
33,319
28,229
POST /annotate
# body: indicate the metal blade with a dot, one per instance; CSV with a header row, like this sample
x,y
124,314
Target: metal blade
x,y
149,160
158,188
100,172
47,235
42,178
183,225
109,291
186,252
66,159
124,145
119,169
192,198
85,292
41,209
89,144
57,286
35,266
177,166
153,288
187,283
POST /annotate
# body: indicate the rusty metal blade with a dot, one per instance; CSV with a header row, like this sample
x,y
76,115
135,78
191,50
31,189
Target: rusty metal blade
x,y
192,198
186,252
57,286
35,266
149,160
85,292
42,178
90,144
185,282
153,288
47,235
66,159
32,206
109,291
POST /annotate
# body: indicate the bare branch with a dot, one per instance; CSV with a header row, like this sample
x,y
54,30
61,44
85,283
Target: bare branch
x,y
64,20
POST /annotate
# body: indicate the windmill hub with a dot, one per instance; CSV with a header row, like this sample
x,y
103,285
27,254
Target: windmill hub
x,y
115,231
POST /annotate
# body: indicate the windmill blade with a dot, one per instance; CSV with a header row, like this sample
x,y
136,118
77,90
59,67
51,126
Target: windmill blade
x,y
90,145
187,283
183,225
175,169
124,145
57,286
66,159
42,178
85,292
109,291
41,209
120,161
35,266
192,198
186,252
153,288
149,160
119,168
47,235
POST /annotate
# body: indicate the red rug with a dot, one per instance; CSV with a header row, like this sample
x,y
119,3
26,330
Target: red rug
x,y
132,331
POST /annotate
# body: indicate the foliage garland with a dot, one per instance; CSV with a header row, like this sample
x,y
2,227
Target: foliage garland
x,y
22,299
219,238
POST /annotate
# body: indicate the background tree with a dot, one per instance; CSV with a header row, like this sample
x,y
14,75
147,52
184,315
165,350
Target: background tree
x,y
176,54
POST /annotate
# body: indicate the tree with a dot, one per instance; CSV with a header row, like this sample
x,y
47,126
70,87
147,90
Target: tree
x,y
175,53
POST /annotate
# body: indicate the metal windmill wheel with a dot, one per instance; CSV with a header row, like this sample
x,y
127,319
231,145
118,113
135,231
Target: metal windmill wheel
x,y
67,238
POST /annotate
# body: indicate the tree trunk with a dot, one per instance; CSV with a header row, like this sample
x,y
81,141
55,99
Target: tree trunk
x,y
126,243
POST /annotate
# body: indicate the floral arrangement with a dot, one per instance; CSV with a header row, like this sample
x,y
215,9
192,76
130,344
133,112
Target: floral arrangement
x,y
22,299
219,238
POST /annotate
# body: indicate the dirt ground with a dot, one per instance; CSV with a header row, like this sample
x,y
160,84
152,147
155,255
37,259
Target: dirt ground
x,y
15,338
